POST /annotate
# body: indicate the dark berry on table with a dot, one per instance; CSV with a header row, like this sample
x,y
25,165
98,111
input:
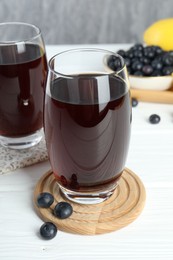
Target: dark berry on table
x,y
147,70
136,65
134,102
63,210
48,230
167,71
154,119
45,200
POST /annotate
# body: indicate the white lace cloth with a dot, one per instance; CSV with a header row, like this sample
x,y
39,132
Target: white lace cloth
x,y
11,160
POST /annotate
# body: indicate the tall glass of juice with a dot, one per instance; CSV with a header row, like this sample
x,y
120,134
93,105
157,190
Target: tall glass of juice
x,y
87,123
23,73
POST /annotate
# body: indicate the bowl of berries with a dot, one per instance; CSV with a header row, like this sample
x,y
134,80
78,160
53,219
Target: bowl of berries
x,y
149,67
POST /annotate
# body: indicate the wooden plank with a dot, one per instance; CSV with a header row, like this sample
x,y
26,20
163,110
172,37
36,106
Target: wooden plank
x,y
153,95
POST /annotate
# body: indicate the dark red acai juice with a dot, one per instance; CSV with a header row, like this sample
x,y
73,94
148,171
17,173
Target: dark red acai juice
x,y
87,130
23,74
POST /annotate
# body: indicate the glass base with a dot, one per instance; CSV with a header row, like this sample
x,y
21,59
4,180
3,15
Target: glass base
x,y
87,198
22,142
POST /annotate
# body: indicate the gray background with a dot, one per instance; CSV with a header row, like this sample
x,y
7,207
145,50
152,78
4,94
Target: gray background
x,y
87,21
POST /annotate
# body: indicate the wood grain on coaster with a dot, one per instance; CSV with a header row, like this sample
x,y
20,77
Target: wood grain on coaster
x,y
123,207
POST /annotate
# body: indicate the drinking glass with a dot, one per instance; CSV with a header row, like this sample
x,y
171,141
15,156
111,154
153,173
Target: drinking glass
x,y
23,73
87,123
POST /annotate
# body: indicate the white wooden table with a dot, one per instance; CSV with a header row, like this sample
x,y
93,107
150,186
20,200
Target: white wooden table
x,y
149,237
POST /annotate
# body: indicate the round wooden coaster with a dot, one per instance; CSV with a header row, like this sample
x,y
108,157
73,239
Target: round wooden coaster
x,y
123,207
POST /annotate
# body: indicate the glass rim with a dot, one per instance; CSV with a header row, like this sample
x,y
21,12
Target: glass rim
x,y
37,31
109,71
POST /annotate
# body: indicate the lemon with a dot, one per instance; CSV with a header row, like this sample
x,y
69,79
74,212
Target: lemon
x,y
160,33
